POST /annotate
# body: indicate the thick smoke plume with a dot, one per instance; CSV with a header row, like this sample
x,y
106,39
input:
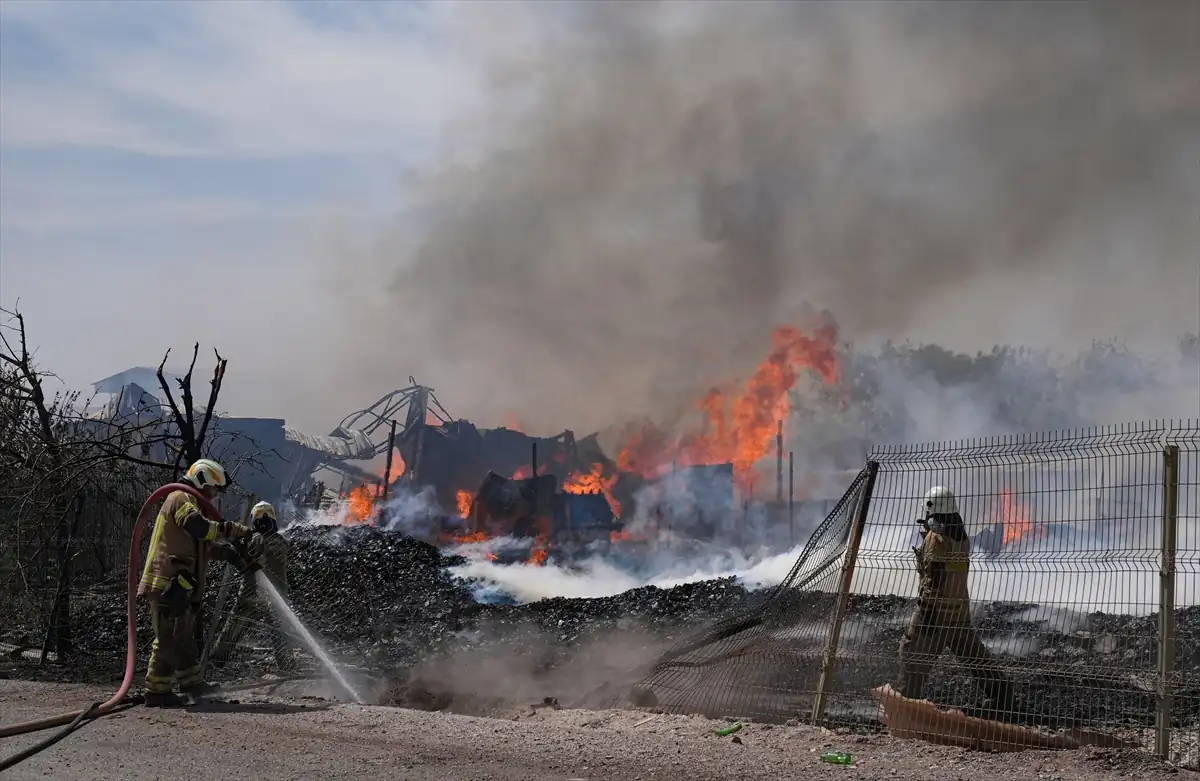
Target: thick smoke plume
x,y
646,189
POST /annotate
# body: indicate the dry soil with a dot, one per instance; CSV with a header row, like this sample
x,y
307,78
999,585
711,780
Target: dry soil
x,y
269,735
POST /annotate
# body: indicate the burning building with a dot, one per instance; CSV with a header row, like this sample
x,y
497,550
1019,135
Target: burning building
x,y
563,490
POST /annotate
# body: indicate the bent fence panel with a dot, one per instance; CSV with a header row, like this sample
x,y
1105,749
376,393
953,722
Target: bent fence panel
x,y
764,664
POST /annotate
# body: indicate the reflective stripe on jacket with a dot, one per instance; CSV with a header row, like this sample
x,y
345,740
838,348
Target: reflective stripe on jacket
x,y
182,540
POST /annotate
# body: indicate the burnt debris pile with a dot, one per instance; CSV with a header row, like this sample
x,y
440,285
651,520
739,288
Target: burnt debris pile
x,y
390,601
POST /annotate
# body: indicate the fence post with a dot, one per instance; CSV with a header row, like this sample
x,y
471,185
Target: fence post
x,y
387,471
792,500
1166,601
829,659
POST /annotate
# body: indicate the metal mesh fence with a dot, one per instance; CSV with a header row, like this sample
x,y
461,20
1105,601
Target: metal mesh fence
x,y
1052,626
764,664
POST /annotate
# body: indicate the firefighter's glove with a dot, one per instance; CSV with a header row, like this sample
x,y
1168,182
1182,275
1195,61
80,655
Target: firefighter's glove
x,y
178,593
254,548
918,548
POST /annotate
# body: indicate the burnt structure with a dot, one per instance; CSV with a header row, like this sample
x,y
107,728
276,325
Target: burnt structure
x,y
534,507
451,455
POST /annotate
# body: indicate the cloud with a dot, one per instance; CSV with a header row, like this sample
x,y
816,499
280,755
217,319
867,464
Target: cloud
x,y
228,79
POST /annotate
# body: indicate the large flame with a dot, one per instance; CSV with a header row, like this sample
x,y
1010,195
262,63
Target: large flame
x,y
740,427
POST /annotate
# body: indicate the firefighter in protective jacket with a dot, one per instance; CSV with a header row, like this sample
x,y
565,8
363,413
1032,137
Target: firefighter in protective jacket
x,y
252,605
943,617
173,581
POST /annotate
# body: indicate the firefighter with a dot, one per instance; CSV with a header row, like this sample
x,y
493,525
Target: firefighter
x,y
173,582
251,606
943,617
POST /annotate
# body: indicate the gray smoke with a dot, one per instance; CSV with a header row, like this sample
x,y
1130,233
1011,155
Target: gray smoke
x,y
646,189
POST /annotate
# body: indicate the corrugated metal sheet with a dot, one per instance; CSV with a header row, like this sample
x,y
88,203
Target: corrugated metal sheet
x,y
345,443
140,375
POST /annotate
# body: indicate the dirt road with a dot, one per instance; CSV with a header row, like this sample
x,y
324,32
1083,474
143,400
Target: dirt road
x,y
264,737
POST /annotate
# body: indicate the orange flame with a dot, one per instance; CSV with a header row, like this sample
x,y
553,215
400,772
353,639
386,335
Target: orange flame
x,y
523,473
359,506
541,549
594,481
398,467
1015,521
739,429
463,501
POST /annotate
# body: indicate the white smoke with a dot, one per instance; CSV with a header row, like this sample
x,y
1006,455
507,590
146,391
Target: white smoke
x,y
598,576
406,512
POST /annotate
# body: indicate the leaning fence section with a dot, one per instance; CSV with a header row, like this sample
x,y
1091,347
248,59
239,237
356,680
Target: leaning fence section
x,y
765,664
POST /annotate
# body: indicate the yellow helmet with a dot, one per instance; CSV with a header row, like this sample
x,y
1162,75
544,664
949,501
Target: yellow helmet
x,y
207,473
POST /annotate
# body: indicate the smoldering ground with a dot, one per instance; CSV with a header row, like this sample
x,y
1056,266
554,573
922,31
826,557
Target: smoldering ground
x,y
524,665
646,189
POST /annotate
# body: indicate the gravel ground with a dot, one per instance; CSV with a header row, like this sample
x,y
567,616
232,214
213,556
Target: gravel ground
x,y
265,736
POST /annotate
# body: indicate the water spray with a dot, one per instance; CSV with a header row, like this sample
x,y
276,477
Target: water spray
x,y
285,612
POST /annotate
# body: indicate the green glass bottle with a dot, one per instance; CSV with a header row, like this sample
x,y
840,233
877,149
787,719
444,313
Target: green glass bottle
x,y
837,758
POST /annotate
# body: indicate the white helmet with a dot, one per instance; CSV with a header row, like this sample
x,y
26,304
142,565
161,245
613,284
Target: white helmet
x,y
207,473
263,519
939,500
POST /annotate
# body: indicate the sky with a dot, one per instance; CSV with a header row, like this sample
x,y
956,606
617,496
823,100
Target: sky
x,y
341,194
165,165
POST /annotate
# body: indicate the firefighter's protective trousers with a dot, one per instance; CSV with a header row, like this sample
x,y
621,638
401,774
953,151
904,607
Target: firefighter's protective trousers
x,y
930,633
173,656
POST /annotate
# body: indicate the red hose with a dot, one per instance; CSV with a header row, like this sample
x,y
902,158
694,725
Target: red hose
x,y
132,577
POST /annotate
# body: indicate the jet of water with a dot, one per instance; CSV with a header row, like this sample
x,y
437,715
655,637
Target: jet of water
x,y
286,613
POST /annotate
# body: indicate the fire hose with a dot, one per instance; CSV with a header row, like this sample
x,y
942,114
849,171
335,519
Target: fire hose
x,y
75,719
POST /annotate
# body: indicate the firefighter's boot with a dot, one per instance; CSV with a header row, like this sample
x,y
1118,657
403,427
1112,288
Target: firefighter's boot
x,y
163,700
198,689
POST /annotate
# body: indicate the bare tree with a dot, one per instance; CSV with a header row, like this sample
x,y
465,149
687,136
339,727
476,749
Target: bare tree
x,y
191,444
72,478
